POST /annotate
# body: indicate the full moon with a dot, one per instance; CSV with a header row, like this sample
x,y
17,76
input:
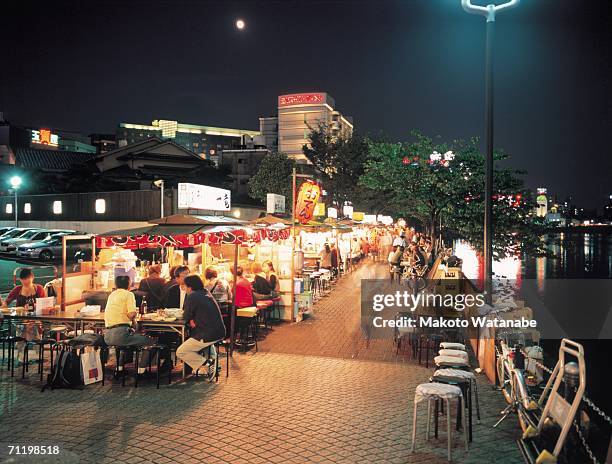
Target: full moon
x,y
240,24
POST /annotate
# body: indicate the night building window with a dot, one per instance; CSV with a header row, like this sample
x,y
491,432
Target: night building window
x,y
27,208
100,206
9,208
57,207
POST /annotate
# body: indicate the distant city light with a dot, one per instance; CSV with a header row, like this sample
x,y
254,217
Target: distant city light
x,y
240,24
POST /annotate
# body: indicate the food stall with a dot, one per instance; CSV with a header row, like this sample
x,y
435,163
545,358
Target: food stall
x,y
201,241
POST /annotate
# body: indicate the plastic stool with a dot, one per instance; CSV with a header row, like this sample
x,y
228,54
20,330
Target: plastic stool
x,y
434,392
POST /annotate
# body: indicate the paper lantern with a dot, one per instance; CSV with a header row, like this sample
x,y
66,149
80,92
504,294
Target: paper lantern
x,y
307,198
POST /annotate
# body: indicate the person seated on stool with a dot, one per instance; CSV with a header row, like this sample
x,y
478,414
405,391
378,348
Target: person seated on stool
x,y
153,287
261,286
25,295
271,278
175,295
204,322
244,290
119,316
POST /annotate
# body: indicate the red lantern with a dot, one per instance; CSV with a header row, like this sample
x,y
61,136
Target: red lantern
x,y
406,160
307,198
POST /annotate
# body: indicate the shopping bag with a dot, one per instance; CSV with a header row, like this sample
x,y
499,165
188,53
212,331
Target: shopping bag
x,y
91,367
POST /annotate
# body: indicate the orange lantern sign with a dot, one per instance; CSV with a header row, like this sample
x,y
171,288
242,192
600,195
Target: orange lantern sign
x,y
307,198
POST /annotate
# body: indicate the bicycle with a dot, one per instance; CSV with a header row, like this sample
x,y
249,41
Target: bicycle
x,y
415,277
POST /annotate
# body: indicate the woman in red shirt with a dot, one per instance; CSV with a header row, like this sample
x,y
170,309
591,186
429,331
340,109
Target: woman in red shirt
x,y
244,290
27,292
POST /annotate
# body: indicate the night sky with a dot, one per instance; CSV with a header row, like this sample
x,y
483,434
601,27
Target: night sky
x,y
392,65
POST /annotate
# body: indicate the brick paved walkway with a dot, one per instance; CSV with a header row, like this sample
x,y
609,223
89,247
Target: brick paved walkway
x,y
285,404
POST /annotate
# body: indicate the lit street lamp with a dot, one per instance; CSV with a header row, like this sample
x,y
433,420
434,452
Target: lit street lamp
x,y
489,13
15,182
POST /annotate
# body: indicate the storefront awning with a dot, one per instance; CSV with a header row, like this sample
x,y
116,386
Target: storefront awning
x,y
188,236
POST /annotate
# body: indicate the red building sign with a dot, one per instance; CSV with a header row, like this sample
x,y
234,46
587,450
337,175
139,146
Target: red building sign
x,y
301,99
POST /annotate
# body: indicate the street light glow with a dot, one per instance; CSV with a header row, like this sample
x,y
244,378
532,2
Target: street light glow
x,y
15,181
240,24
489,10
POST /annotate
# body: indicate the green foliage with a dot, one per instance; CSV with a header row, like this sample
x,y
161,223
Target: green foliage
x,y
427,192
273,176
340,161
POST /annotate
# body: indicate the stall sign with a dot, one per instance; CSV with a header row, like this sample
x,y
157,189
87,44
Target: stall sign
x,y
307,198
347,210
197,196
386,220
319,209
369,219
238,236
275,204
332,213
358,216
45,137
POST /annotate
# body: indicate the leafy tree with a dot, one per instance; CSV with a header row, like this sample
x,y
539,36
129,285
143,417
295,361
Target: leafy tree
x,y
340,160
454,189
273,176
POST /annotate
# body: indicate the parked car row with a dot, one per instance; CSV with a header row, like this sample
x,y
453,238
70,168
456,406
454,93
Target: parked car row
x,y
36,243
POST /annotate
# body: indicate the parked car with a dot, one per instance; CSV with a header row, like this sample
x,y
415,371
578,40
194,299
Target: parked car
x,y
15,233
10,245
50,248
4,230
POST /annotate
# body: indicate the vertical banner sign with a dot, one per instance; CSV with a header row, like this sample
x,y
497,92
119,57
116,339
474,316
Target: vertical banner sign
x,y
307,198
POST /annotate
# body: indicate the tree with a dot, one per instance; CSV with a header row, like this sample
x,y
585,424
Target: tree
x,y
452,185
339,160
273,176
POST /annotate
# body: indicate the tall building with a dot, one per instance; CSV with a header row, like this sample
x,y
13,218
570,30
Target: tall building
x,y
299,113
204,141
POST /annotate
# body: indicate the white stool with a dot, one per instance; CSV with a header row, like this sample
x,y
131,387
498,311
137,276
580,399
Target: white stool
x,y
432,392
454,353
452,346
450,374
450,361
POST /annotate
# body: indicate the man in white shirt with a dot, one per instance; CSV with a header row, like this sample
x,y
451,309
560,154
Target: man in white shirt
x,y
400,241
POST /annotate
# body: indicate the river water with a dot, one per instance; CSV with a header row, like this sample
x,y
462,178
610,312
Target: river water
x,y
576,255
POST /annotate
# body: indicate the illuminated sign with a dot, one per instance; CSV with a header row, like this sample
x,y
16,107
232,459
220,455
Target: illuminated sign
x,y
332,213
307,198
45,137
319,209
301,99
542,190
275,203
358,216
386,220
347,210
203,197
369,219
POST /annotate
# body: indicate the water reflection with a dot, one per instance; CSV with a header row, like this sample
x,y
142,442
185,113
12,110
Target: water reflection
x,y
574,255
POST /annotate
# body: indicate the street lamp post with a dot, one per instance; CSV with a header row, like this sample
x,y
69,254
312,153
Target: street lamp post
x,y
489,13
15,182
